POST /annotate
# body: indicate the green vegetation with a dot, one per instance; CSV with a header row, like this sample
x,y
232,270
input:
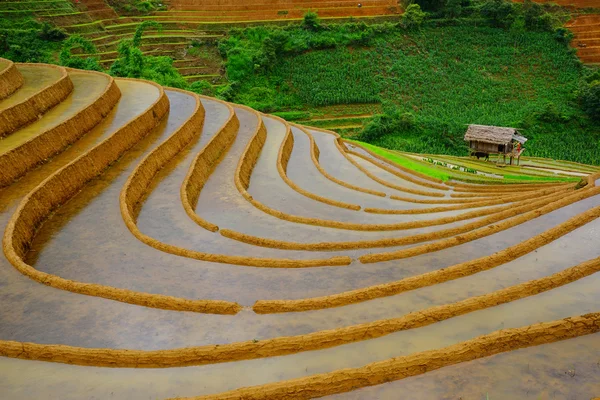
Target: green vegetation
x,y
435,80
426,76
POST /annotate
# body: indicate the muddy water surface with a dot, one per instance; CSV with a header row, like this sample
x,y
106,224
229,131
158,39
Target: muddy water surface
x,y
87,87
35,78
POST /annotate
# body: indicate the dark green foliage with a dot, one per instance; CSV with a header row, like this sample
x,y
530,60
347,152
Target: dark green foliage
x,y
66,58
500,13
202,87
139,32
413,17
27,40
563,35
536,18
137,7
590,99
453,8
393,121
311,21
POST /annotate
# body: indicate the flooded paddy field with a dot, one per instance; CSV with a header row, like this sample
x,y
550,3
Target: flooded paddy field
x,y
195,247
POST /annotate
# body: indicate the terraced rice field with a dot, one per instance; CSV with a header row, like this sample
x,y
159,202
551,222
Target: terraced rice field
x,y
162,245
586,28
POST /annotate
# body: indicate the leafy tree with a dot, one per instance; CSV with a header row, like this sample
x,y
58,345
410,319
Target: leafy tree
x,y
453,8
66,58
536,18
413,17
500,13
139,32
590,100
311,21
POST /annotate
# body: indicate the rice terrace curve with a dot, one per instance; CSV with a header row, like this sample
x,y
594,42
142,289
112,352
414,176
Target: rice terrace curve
x,y
162,243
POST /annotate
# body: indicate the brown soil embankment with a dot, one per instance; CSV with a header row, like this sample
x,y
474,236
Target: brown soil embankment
x,y
430,278
488,229
37,104
38,205
345,380
285,345
315,154
203,166
130,202
37,150
285,152
528,207
10,79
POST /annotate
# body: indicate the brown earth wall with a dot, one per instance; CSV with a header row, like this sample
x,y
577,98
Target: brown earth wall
x,y
252,349
131,202
285,151
527,207
203,166
484,231
37,150
346,380
49,195
37,104
456,271
315,154
10,80
339,143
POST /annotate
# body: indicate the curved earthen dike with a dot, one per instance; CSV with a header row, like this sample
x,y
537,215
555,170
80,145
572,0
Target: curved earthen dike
x,y
458,186
10,79
456,271
529,207
38,205
315,154
38,103
340,146
285,151
203,166
16,162
474,204
285,345
470,236
135,191
349,379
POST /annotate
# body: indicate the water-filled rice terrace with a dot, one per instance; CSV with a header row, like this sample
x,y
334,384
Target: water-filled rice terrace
x,y
158,244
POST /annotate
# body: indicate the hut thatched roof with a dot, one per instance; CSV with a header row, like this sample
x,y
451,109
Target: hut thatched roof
x,y
493,134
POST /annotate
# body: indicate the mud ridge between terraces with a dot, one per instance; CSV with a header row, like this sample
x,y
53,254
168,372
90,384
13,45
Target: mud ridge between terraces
x,y
456,271
482,232
242,179
10,79
203,166
38,103
285,151
62,185
529,207
458,186
315,154
135,192
475,204
349,379
285,345
37,150
469,199
345,152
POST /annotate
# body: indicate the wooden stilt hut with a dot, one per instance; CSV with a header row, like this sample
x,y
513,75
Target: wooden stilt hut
x,y
485,140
